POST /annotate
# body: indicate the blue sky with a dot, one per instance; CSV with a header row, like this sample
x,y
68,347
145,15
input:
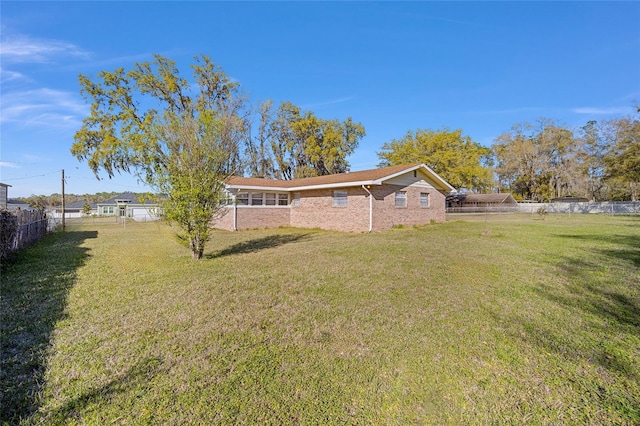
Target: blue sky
x,y
393,66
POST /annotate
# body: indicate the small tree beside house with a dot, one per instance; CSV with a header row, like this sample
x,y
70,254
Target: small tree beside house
x,y
184,145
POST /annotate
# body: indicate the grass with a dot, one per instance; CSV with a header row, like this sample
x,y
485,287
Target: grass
x,y
508,319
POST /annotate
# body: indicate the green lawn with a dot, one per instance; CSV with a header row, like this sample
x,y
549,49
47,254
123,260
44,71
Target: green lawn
x,y
500,320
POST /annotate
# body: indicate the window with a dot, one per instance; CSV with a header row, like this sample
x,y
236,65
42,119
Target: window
x,y
108,210
270,199
296,199
227,200
401,199
424,199
283,199
339,198
242,199
256,198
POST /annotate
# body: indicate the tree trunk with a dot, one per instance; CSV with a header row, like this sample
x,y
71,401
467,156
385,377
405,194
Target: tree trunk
x,y
197,248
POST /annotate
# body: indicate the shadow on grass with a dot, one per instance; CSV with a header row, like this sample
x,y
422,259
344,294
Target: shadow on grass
x,y
598,319
593,290
258,244
629,245
34,285
138,376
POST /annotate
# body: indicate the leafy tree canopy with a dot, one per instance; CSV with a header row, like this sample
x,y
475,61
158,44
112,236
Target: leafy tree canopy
x,y
292,143
538,161
622,156
455,157
183,141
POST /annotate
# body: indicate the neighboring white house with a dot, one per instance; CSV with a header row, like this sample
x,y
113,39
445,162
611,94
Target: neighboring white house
x,y
123,205
129,205
3,195
71,210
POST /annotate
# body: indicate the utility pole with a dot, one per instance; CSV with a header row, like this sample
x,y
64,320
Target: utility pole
x,y
63,224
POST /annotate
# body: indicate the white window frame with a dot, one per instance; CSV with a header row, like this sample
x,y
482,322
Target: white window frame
x,y
340,198
256,199
262,199
242,199
270,199
401,199
424,200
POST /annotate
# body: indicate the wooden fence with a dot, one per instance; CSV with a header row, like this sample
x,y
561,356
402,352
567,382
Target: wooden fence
x,y
32,226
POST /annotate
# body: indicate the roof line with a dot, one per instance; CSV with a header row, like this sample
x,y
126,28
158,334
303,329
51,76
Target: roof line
x,y
340,180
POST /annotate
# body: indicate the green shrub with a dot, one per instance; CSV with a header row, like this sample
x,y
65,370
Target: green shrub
x,y
8,230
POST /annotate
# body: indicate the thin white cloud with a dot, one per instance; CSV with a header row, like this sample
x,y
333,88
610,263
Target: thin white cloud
x,y
602,111
9,164
7,76
329,102
42,107
23,49
507,111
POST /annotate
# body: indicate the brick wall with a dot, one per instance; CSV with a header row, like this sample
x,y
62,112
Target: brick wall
x,y
253,217
387,215
316,211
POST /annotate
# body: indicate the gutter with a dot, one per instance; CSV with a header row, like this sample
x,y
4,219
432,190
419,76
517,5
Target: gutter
x,y
235,211
370,208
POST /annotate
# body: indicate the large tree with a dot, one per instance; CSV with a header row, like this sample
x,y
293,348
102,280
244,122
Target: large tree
x,y
292,143
458,159
591,154
182,140
539,161
622,156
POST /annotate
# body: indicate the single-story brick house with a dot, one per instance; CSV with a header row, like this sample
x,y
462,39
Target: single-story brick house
x,y
368,200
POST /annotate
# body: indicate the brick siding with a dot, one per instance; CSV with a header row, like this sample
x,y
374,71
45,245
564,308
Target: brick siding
x,y
316,211
254,217
386,214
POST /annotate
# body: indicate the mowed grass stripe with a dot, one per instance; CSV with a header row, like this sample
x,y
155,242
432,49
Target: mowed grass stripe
x,y
501,319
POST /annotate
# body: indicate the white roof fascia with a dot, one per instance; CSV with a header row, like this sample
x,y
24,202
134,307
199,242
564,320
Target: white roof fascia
x,y
433,175
401,172
257,188
335,185
304,187
436,177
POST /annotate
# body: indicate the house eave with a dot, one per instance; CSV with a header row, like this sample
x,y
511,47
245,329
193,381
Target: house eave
x,y
258,188
303,187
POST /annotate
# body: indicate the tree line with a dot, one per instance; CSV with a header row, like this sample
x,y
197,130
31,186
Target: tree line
x,y
534,161
42,202
185,138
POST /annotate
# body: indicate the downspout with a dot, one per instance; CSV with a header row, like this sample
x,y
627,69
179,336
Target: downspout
x,y
235,210
370,208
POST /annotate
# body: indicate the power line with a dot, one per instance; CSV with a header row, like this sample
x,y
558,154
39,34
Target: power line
x,y
31,177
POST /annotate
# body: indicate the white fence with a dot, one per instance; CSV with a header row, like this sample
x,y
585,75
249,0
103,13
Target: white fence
x,y
612,208
507,208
